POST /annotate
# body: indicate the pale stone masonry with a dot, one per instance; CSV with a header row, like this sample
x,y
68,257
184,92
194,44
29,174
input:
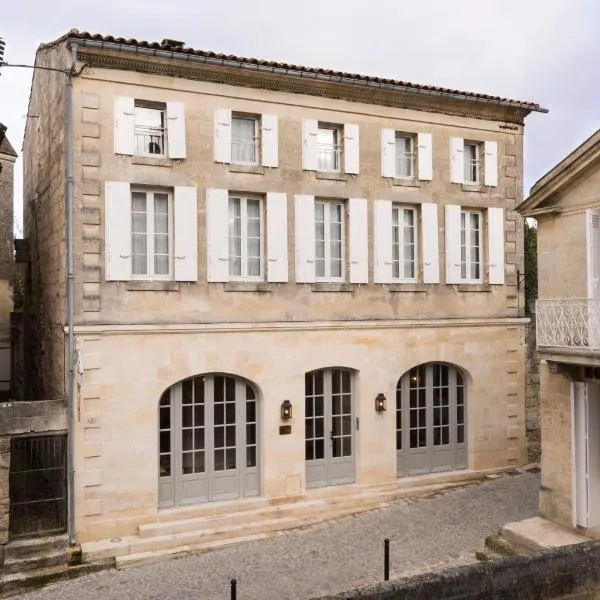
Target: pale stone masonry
x,y
313,189
566,204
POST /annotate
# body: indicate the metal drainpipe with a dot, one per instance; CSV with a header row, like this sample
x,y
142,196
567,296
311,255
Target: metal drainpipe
x,y
70,297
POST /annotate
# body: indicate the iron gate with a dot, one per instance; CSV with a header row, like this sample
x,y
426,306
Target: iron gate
x,y
38,485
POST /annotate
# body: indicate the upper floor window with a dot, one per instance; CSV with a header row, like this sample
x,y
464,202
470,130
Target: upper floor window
x,y
150,131
470,245
245,238
151,233
404,243
329,239
244,139
472,162
405,156
330,147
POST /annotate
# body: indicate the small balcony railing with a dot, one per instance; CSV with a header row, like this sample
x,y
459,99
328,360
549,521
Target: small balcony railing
x,y
329,157
150,141
568,323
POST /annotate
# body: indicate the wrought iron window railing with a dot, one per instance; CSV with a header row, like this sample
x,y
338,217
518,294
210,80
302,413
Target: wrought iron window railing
x,y
150,140
568,323
329,157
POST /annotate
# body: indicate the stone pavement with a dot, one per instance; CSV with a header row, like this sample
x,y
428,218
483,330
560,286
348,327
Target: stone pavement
x,y
426,533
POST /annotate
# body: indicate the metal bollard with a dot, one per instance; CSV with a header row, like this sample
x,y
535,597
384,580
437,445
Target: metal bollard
x,y
233,589
386,560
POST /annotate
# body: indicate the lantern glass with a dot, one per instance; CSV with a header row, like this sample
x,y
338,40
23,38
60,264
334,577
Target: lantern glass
x,y
380,403
286,410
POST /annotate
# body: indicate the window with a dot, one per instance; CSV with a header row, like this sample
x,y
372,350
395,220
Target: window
x,y
150,130
329,147
244,139
405,156
245,238
151,233
472,152
470,245
404,243
329,239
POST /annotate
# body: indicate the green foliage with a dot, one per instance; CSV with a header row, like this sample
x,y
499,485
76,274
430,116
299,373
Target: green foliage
x,y
531,280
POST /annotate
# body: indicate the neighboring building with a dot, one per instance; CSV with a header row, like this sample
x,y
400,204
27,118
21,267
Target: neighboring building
x,y
8,156
566,204
249,233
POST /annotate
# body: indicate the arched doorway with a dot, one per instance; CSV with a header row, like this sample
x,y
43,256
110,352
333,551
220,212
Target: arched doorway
x,y
329,423
431,420
208,441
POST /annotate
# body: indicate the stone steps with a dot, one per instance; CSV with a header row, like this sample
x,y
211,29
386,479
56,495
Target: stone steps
x,y
34,562
539,534
34,546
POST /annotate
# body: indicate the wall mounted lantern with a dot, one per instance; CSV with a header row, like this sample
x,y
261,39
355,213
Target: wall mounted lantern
x,y
286,410
380,403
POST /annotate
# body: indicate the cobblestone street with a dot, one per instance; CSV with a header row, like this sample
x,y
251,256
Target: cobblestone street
x,y
426,533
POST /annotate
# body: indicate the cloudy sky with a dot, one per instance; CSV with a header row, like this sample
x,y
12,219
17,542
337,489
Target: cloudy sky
x,y
546,51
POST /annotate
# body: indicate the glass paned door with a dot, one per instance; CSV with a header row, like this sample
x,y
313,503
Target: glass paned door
x,y
208,441
329,427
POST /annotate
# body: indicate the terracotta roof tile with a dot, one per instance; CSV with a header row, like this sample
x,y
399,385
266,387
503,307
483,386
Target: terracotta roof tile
x,y
301,70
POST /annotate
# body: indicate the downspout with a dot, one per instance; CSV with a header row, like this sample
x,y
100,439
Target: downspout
x,y
70,298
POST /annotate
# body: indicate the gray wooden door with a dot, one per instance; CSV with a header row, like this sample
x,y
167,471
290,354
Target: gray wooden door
x,y
430,420
208,441
329,421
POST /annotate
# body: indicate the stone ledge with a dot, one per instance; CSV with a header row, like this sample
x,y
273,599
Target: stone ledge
x,y
251,169
331,176
413,183
407,287
250,286
474,287
152,161
475,187
333,287
152,286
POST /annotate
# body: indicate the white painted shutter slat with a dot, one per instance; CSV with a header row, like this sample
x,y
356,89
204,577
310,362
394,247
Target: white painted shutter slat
x,y
351,149
305,238
490,163
388,153
430,237
217,235
382,222
117,230
359,240
124,125
425,157
452,235
186,233
496,245
222,135
270,142
310,158
457,160
277,239
176,129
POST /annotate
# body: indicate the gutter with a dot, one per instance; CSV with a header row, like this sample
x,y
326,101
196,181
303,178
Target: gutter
x,y
289,72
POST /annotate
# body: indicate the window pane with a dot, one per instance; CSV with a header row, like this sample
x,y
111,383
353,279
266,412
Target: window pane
x,y
243,142
328,149
404,156
149,130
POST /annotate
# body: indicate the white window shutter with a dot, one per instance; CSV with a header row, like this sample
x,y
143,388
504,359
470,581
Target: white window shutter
x,y
117,230
310,157
430,237
305,238
388,153
359,240
222,135
382,224
185,232
217,235
351,149
496,245
425,157
490,163
452,235
270,142
457,160
277,239
124,125
176,129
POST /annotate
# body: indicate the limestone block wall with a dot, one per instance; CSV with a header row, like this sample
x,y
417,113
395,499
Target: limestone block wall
x,y
532,393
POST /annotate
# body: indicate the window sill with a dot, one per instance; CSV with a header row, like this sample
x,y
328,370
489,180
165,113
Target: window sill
x,y
331,176
150,160
474,287
152,286
407,287
250,286
473,187
414,183
332,287
253,169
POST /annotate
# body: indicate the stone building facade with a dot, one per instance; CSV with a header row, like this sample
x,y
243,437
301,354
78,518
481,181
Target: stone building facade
x,y
253,238
566,205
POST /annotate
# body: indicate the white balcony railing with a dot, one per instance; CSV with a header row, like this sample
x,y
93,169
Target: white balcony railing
x,y
568,323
